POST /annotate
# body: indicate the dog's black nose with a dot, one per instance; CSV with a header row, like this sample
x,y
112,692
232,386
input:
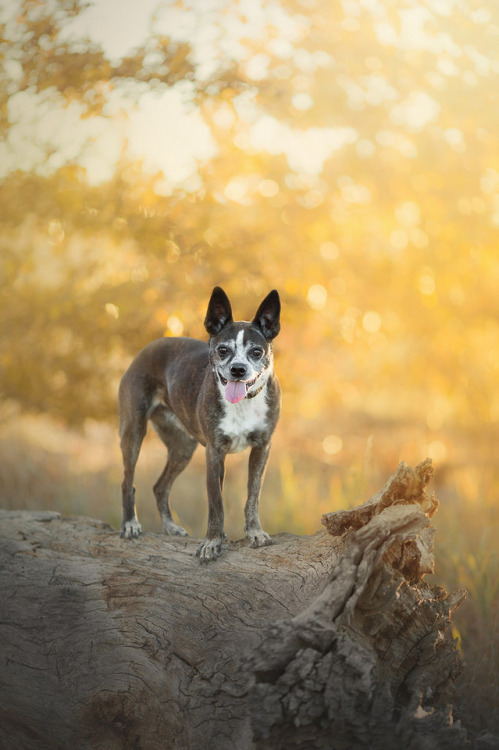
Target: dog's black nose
x,y
238,371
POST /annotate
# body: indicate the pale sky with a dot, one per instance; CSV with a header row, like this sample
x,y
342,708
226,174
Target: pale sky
x,y
118,25
165,131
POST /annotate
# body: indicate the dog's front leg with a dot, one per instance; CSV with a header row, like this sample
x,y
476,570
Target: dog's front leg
x,y
257,464
211,547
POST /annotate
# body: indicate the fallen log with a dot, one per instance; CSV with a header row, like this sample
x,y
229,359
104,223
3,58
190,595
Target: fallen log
x,y
329,641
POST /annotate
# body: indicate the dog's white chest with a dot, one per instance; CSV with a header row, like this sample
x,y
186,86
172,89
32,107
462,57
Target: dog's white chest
x,y
242,420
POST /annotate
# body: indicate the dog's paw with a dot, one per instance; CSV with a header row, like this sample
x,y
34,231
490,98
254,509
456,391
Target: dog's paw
x,y
173,529
209,549
131,529
258,538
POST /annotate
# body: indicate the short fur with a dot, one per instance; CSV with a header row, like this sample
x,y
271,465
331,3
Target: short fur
x,y
183,387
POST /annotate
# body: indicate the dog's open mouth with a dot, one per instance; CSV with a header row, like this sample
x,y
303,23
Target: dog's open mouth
x,y
236,390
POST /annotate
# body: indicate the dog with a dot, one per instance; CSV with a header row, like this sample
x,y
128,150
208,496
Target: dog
x,y
223,394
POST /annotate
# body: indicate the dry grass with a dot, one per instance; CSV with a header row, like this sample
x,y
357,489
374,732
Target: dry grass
x,y
468,557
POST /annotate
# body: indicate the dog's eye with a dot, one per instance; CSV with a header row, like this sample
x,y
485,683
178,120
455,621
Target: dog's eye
x,y
257,353
223,351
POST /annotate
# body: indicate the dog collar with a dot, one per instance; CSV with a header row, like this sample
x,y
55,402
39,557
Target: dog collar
x,y
252,394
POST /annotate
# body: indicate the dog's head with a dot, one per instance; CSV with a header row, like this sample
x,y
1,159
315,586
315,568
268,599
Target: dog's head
x,y
241,352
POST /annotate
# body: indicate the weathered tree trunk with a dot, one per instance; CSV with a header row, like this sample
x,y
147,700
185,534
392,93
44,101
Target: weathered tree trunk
x,y
315,642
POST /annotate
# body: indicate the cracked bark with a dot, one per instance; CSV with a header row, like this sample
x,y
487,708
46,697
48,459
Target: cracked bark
x,y
329,641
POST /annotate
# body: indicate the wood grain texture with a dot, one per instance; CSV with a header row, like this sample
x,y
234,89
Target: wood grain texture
x,y
113,644
315,642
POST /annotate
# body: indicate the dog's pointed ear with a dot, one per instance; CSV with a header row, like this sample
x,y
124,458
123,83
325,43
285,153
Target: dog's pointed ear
x,y
267,318
219,312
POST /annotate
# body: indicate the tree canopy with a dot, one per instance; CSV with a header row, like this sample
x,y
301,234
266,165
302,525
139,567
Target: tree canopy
x,y
355,167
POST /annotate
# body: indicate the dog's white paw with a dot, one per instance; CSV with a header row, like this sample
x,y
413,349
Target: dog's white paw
x,y
258,538
131,529
209,549
173,529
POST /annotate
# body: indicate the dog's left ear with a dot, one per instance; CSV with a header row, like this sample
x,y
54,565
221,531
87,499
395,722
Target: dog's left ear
x,y
267,318
219,312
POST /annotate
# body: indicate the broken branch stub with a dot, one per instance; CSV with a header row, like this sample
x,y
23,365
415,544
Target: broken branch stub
x,y
370,663
406,487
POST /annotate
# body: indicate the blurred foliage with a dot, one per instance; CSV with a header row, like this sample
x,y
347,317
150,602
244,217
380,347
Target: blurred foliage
x,y
355,168
385,254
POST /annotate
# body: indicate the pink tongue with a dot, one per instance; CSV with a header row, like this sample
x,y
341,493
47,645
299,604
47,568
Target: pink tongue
x,y
235,390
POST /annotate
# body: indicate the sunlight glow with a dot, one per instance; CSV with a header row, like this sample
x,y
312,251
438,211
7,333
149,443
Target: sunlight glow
x,y
169,137
174,325
317,297
306,150
329,251
332,444
118,25
415,112
371,322
437,451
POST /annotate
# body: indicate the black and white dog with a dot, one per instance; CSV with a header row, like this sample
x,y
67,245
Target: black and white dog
x,y
223,394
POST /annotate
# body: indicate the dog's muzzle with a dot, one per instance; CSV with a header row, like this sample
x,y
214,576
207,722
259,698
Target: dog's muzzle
x,y
236,390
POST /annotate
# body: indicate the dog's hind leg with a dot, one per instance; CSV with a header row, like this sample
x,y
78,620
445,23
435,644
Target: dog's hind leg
x,y
180,447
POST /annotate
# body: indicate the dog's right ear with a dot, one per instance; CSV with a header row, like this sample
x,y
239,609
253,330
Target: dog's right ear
x,y
219,312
